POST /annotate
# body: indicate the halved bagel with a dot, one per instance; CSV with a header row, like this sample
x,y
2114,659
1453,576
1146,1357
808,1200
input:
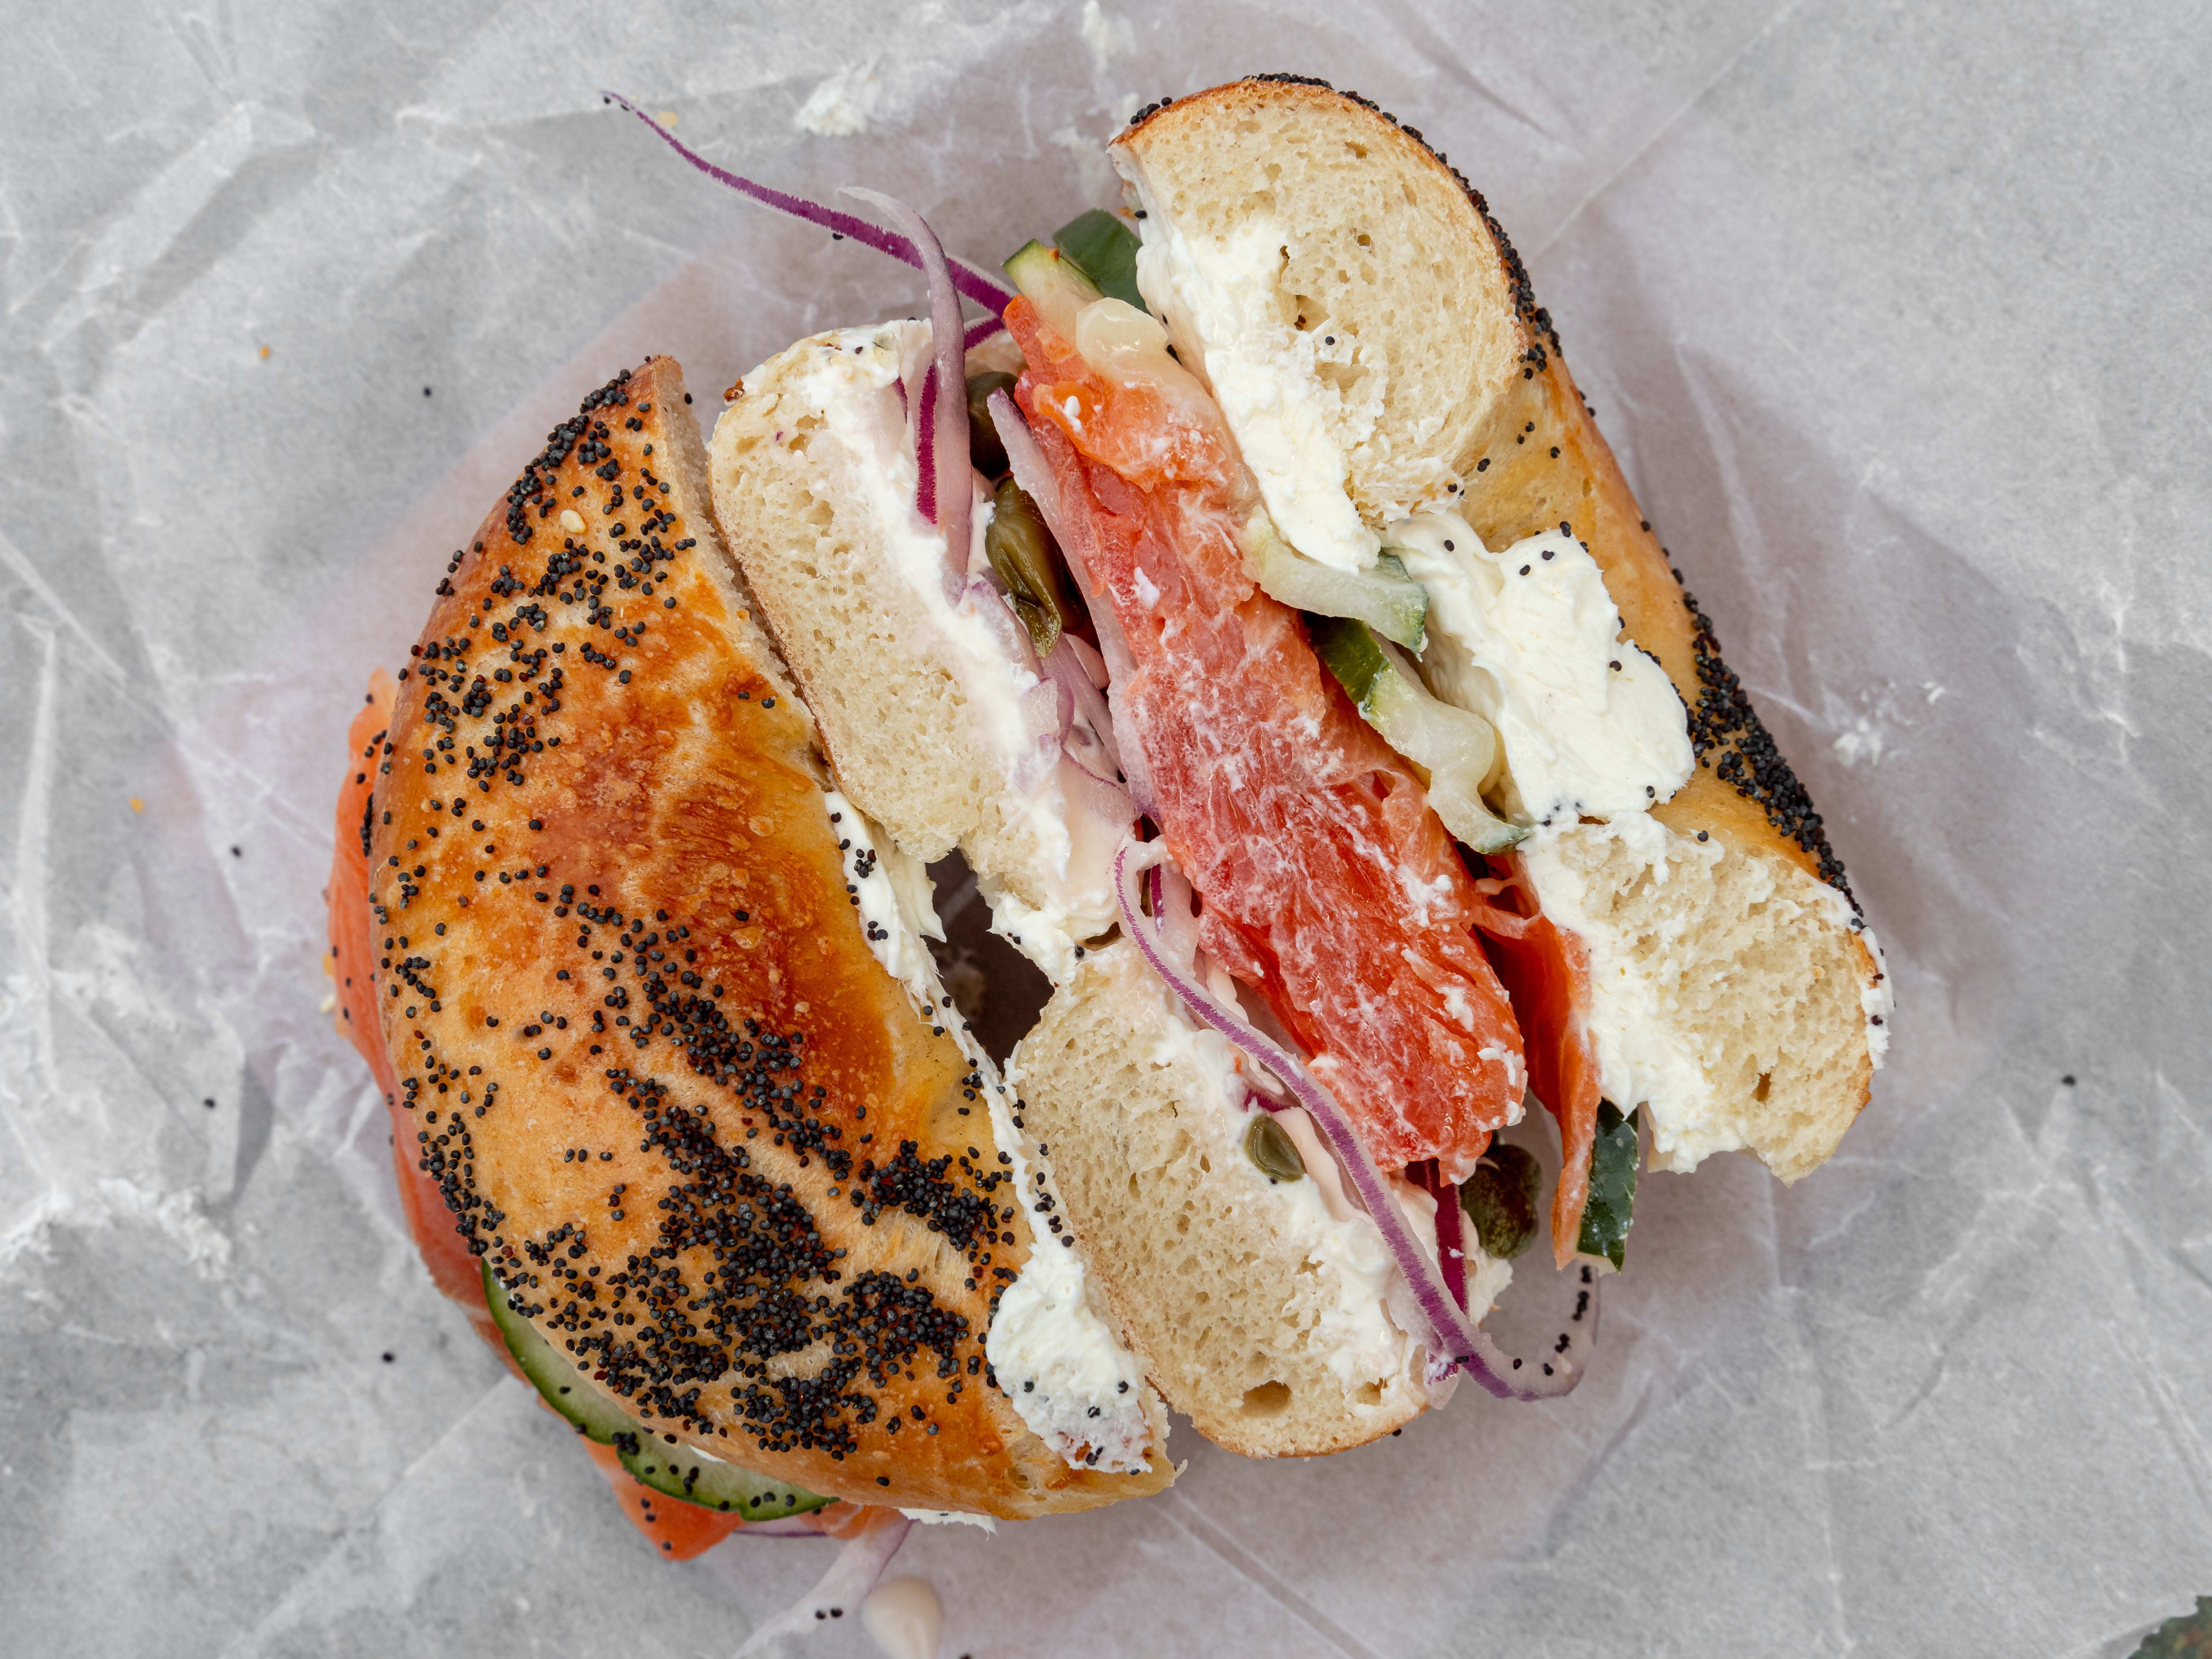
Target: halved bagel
x,y
649,1054
1256,1312
1735,988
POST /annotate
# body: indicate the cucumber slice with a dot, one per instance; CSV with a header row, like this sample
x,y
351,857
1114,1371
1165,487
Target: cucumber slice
x,y
686,1472
680,1471
1612,1198
1385,599
1103,247
1453,749
1055,285
570,1393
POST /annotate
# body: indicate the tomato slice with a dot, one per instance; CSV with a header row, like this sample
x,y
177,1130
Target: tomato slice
x,y
1329,885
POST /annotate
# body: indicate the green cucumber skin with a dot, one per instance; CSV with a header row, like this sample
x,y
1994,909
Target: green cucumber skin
x,y
680,1472
713,1485
1104,249
1611,1205
1053,284
1396,608
586,1406
1381,693
1348,652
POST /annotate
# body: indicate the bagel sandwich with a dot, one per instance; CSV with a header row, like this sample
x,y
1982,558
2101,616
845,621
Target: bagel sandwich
x,y
1294,672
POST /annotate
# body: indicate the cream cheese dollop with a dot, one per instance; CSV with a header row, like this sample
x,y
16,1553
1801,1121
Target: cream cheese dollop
x,y
1530,638
1218,298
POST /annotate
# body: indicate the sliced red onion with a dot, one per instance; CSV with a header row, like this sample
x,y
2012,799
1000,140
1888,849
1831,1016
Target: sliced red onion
x,y
1451,1237
1064,664
925,460
978,284
1093,664
1033,473
839,1592
1452,1337
784,1526
943,490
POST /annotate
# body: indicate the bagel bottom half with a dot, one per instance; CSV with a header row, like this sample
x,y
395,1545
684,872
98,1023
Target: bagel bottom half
x,y
707,1142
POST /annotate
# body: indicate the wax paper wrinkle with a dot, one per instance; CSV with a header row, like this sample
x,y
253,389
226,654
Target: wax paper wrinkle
x,y
1902,363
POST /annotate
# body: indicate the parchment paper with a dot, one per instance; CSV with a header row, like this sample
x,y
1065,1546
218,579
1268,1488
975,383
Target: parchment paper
x,y
1895,314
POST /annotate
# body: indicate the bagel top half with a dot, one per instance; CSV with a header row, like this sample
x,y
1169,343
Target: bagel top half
x,y
705,1137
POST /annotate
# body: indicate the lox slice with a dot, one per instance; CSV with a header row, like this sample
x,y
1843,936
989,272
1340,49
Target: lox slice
x,y
1329,885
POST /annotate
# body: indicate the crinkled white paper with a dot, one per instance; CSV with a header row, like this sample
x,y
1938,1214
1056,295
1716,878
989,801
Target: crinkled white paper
x,y
1896,316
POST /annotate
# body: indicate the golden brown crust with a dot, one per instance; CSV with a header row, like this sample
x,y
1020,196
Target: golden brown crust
x,y
649,1058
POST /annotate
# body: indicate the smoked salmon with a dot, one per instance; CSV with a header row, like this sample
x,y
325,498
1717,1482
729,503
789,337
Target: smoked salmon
x,y
1329,886
1546,971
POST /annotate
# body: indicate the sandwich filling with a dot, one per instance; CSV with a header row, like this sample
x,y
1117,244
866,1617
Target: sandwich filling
x,y
1331,889
1592,732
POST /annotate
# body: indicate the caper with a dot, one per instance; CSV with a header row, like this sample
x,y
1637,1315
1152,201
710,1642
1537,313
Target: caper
x,y
985,453
1022,552
1500,1199
1271,1149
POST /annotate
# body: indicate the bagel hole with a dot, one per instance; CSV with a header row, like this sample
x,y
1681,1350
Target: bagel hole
x,y
998,991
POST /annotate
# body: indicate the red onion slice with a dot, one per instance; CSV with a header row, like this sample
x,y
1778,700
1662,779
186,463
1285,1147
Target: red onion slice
x,y
1453,1338
1063,664
1031,469
978,284
784,1526
943,469
1451,1235
1093,664
924,458
1099,797
1033,473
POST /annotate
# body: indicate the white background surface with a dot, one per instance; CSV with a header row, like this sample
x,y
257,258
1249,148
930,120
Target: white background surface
x,y
1896,317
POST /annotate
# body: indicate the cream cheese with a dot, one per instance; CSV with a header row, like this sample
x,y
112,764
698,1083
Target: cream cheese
x,y
1877,1001
1070,1378
950,1518
897,902
1530,639
857,379
1082,905
1218,297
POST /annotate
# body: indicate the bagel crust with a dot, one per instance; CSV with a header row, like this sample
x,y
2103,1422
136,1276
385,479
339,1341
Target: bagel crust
x,y
702,1135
